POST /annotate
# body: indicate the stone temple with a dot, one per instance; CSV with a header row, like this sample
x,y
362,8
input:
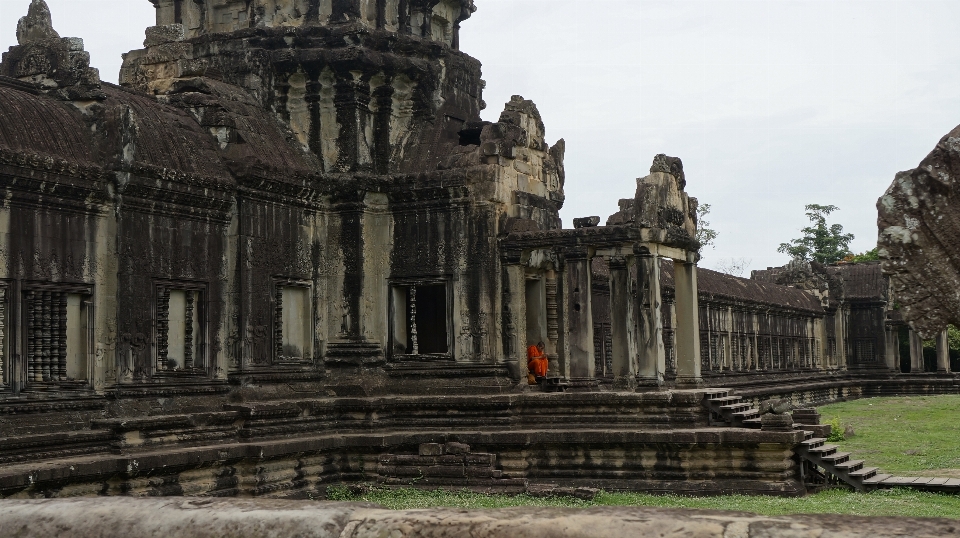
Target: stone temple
x,y
286,252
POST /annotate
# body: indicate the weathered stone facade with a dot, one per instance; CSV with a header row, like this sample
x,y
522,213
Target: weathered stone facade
x,y
287,248
918,231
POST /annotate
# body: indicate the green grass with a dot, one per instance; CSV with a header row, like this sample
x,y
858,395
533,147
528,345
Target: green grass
x,y
879,503
907,435
916,435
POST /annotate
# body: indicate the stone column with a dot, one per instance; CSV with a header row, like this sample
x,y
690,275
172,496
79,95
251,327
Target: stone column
x,y
943,352
892,351
688,324
623,324
577,281
514,320
916,353
652,357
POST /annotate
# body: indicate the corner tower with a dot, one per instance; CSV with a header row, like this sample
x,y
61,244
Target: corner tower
x,y
374,86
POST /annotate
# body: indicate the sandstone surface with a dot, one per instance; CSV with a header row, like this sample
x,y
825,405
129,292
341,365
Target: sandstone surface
x,y
207,518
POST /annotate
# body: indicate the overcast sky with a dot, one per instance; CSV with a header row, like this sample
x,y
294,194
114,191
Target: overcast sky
x,y
771,104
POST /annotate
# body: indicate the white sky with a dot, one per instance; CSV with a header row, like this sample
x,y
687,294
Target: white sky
x,y
771,104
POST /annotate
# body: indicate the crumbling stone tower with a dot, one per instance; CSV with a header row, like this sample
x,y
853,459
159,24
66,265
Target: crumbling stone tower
x,y
366,85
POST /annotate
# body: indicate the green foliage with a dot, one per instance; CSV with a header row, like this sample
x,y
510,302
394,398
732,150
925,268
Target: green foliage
x,y
953,336
868,256
705,235
953,339
835,501
339,493
836,430
820,242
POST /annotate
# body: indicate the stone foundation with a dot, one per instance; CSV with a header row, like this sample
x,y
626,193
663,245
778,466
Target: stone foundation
x,y
658,441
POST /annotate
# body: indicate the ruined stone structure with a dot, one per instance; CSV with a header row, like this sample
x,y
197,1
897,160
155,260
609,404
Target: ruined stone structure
x,y
918,233
286,252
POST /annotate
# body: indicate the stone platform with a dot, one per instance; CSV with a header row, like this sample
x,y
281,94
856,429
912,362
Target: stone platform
x,y
657,442
209,518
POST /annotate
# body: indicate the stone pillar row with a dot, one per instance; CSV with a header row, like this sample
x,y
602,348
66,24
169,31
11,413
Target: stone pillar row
x,y
639,356
916,352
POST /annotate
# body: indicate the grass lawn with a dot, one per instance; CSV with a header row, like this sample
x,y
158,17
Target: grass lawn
x,y
918,435
913,436
879,503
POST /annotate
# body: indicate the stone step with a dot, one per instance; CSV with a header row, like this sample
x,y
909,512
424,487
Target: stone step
x,y
725,400
850,466
824,450
835,458
813,442
752,423
743,415
864,473
876,479
735,407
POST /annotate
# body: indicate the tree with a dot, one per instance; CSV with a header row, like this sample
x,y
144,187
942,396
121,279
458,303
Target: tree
x,y
868,256
705,235
820,242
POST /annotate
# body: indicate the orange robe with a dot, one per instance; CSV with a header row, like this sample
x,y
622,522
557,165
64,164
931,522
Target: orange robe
x,y
537,362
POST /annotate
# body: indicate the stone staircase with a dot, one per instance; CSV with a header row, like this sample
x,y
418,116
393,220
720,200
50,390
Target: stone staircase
x,y
820,459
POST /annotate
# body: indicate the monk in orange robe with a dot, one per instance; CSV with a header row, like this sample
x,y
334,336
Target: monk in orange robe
x,y
537,363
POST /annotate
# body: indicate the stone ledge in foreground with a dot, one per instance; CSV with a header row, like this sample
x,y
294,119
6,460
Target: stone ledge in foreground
x,y
247,518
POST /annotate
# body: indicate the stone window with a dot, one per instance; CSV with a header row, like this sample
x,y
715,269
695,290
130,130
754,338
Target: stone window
x,y
864,350
180,327
56,326
420,320
293,321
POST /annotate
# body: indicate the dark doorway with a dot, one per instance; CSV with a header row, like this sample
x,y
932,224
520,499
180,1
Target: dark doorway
x,y
904,341
432,319
420,324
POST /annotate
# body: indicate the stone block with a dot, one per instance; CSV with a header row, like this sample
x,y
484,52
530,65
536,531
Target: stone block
x,y
456,448
158,35
586,222
776,423
480,459
431,449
